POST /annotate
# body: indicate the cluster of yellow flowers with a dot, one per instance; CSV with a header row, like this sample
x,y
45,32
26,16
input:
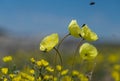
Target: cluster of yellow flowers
x,y
41,70
116,72
87,51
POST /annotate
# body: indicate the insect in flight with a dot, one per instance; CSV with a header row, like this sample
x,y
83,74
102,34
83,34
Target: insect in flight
x,y
92,3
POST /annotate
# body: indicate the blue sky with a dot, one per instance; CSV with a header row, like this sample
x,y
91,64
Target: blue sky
x,y
35,17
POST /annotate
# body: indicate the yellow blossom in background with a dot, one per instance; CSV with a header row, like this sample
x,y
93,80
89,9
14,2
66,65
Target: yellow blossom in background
x,y
44,62
39,63
64,72
32,60
27,76
48,77
12,75
59,67
32,71
75,73
50,69
67,78
87,51
39,79
113,58
74,29
17,78
5,79
87,34
82,77
49,42
4,70
55,79
116,75
116,67
7,58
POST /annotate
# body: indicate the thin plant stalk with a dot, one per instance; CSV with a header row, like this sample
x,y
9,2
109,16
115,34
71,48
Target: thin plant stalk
x,y
76,52
56,49
89,75
62,40
57,52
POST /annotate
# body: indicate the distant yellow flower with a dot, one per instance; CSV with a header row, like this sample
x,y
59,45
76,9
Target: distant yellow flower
x,y
59,67
74,29
39,79
67,78
55,78
113,58
64,72
50,69
5,79
116,67
27,76
32,60
38,63
88,51
17,78
7,58
87,34
82,77
32,71
49,42
11,75
4,70
75,73
116,75
48,77
44,62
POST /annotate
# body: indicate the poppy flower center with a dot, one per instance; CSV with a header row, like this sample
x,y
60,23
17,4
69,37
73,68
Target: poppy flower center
x,y
86,54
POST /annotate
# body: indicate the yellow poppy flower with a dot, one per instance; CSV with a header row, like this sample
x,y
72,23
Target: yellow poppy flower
x,y
66,78
4,70
50,69
87,34
64,72
7,58
59,67
83,77
74,29
88,51
49,42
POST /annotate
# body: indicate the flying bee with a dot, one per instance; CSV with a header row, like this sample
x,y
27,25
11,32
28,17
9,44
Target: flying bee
x,y
92,3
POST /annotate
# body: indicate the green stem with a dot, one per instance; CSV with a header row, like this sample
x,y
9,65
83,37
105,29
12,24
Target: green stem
x,y
89,75
62,40
57,52
56,49
76,53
